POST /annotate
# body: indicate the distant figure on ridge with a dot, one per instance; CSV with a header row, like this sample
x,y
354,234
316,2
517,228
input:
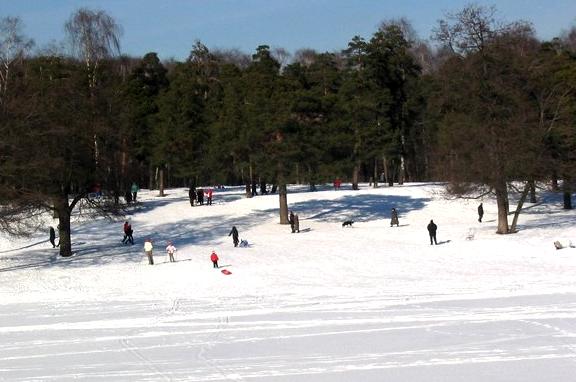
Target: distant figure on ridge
x,y
480,213
394,219
234,233
337,184
432,231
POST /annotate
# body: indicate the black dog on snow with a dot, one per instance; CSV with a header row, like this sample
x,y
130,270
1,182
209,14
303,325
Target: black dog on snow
x,y
347,223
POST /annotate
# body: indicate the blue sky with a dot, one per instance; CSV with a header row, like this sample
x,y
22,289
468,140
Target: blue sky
x,y
170,27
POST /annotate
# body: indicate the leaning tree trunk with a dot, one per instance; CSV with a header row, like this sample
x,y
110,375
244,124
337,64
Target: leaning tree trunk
x,y
519,206
61,207
502,203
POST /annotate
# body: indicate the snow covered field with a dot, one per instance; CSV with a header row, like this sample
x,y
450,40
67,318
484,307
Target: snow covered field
x,y
368,303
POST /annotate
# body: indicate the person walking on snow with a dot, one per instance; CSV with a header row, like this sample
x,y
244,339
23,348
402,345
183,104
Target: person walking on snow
x,y
234,234
127,234
432,231
53,237
134,190
480,213
394,219
214,259
291,220
170,251
148,250
296,223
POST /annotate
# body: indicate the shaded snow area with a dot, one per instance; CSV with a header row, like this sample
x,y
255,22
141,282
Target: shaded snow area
x,y
367,303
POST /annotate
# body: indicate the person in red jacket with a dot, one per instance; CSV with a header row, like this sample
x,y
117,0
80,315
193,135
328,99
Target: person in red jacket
x,y
214,258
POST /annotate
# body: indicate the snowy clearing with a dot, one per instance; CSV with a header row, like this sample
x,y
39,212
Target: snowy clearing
x,y
367,303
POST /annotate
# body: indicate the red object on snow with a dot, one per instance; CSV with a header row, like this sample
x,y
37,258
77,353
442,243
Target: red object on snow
x,y
226,272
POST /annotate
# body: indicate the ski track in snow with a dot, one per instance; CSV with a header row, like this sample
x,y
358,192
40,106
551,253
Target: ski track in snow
x,y
368,303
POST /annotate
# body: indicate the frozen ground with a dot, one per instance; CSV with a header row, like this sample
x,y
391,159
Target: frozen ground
x,y
368,303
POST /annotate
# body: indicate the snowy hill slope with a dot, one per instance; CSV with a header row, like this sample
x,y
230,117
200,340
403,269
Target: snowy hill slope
x,y
368,303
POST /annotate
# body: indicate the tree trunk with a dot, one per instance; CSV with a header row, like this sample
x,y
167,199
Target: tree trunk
x,y
375,173
502,203
282,193
65,243
249,182
297,173
567,200
567,190
311,178
150,177
523,197
161,181
532,192
402,172
554,181
355,174
385,168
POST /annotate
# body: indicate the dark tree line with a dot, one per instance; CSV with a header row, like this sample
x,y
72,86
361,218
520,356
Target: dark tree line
x,y
490,110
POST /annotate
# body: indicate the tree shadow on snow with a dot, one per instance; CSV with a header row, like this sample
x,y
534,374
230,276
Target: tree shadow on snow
x,y
359,208
101,243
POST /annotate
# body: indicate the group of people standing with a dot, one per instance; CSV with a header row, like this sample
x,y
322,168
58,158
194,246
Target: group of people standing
x,y
197,196
132,193
170,252
149,248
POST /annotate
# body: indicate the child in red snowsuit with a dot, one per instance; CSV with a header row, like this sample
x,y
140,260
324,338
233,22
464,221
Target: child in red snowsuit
x,y
214,258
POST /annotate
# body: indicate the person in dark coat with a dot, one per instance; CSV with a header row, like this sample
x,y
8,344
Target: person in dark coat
x,y
234,233
53,237
200,196
128,197
254,193
394,219
192,195
291,220
296,223
480,213
432,231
